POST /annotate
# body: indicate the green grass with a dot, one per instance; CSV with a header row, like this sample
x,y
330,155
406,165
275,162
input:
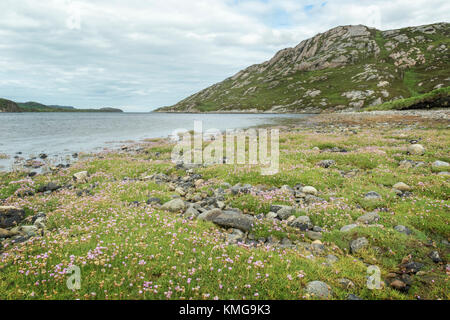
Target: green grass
x,y
135,251
438,98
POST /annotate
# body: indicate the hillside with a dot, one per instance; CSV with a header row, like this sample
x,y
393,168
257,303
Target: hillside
x,y
31,106
8,106
347,67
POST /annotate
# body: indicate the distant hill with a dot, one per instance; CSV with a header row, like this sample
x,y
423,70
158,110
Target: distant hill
x,y
31,106
8,106
345,68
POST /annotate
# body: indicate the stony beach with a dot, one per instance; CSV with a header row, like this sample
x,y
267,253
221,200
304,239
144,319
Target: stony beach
x,y
356,192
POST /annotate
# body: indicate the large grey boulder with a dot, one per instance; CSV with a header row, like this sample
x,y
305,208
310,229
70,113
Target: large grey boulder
x,y
233,219
10,216
174,205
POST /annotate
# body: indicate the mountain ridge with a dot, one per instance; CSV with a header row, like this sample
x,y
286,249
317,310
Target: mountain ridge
x,y
345,68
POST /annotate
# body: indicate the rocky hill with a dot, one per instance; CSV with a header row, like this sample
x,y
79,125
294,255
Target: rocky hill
x,y
348,67
8,106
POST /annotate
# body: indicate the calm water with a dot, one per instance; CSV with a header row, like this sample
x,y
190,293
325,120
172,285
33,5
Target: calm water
x,y
61,134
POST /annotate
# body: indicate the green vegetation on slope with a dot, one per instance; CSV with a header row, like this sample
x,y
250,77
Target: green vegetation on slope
x,y
439,98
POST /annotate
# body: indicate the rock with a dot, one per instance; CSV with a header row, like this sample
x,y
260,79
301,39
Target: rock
x,y
6,233
353,297
444,173
285,212
372,195
51,186
358,244
180,191
198,183
30,231
346,283
348,227
402,187
40,222
81,176
413,267
174,205
317,247
435,257
410,164
303,223
236,236
209,215
191,212
440,164
271,215
326,163
309,190
369,218
332,258
314,235
416,149
154,200
10,216
318,289
287,189
317,229
232,219
402,229
399,285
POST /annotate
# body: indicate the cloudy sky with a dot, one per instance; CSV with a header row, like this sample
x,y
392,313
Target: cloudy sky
x,y
143,54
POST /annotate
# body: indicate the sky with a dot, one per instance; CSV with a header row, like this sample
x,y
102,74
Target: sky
x,y
138,55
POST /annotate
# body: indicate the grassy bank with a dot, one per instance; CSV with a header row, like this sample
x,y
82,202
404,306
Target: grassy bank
x,y
438,98
128,249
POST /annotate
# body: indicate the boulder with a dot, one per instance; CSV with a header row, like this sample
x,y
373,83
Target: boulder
x,y
326,163
309,190
10,216
318,289
210,215
303,223
81,176
401,186
236,220
174,205
368,218
416,149
440,164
